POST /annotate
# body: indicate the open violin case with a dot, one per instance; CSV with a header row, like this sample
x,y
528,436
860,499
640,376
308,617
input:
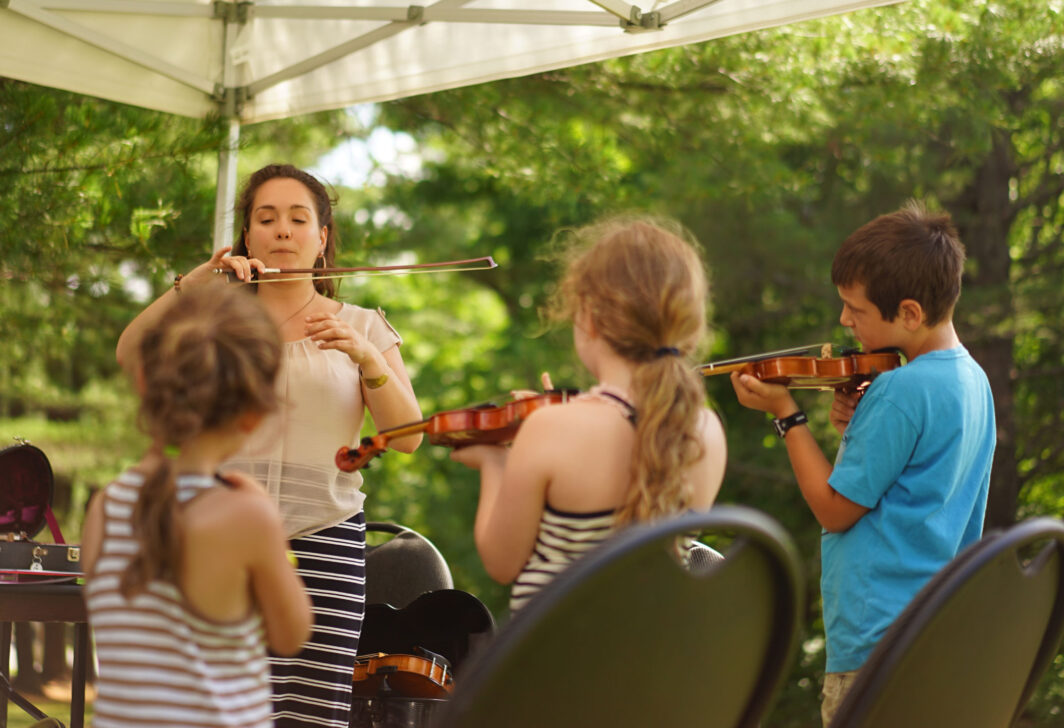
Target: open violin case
x,y
26,489
410,658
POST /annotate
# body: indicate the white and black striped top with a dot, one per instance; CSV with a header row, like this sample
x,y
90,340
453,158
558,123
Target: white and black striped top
x,y
563,538
161,664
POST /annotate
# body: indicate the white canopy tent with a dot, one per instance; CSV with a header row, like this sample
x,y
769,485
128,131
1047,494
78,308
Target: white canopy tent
x,y
255,60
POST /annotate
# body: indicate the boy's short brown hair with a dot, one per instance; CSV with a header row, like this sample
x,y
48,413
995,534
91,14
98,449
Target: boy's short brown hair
x,y
911,253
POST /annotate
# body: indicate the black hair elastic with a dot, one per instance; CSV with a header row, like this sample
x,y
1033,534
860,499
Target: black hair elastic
x,y
667,351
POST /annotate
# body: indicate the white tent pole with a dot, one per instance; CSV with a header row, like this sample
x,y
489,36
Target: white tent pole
x,y
225,195
230,101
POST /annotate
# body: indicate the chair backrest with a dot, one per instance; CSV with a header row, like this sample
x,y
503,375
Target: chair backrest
x,y
628,636
403,568
970,648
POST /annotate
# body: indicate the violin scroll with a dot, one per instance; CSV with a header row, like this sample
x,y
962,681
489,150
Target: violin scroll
x,y
349,460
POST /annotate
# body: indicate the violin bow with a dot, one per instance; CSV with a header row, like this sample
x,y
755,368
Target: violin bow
x,y
448,266
730,365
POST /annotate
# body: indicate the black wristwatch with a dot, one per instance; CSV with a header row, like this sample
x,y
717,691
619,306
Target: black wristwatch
x,y
786,423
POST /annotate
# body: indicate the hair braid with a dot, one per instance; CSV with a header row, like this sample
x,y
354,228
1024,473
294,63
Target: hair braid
x,y
211,357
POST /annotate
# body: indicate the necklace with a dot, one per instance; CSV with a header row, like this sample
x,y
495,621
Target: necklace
x,y
313,293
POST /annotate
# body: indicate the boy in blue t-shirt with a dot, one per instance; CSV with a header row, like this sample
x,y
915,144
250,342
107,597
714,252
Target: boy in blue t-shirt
x,y
909,484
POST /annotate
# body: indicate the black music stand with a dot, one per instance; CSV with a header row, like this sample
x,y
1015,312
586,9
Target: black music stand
x,y
29,602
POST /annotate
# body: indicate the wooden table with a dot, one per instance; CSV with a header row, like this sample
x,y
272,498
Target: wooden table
x,y
30,602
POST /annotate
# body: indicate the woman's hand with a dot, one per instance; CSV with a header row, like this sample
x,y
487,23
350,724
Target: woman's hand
x,y
240,266
329,332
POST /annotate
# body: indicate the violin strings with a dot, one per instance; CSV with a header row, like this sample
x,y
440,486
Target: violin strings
x,y
706,368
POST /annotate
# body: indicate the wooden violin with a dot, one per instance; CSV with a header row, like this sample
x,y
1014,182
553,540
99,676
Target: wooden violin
x,y
409,676
851,371
485,424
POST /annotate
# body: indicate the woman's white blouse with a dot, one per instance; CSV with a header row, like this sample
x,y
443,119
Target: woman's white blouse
x,y
292,452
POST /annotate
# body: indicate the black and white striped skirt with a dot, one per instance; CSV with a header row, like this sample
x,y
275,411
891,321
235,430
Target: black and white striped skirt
x,y
314,687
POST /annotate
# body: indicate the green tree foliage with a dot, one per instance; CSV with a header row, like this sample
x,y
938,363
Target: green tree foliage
x,y
771,147
75,206
103,203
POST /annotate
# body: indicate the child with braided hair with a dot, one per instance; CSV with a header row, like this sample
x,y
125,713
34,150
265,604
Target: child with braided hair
x,y
639,445
187,576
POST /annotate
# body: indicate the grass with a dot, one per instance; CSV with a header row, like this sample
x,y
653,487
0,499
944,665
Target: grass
x,y
59,709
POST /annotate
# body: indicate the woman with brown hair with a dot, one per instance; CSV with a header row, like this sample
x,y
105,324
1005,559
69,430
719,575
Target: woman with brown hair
x,y
637,446
339,360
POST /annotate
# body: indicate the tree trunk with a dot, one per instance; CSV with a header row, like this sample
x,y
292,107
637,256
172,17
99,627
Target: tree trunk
x,y
984,216
28,680
54,667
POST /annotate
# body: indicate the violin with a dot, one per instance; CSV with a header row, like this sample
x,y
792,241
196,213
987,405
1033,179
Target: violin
x,y
484,424
851,371
410,676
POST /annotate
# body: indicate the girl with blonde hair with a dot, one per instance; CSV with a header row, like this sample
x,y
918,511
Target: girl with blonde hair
x,y
640,444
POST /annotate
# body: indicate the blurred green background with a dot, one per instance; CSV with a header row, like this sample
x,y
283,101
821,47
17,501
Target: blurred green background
x,y
771,147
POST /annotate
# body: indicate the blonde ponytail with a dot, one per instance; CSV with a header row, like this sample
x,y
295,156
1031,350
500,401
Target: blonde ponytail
x,y
212,356
645,287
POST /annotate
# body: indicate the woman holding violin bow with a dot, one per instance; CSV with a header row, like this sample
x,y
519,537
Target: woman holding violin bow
x,y
338,361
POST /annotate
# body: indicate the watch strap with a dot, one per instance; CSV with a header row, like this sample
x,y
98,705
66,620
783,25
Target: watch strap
x,y
783,424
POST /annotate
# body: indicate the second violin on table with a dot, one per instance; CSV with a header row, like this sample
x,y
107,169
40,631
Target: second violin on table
x,y
482,425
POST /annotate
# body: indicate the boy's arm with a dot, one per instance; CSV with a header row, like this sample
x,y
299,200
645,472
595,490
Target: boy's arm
x,y
832,510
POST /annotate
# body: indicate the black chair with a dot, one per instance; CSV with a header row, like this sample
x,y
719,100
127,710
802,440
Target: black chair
x,y
701,556
404,567
970,648
629,635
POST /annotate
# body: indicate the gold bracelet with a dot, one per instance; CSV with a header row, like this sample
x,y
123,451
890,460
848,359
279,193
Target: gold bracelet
x,y
375,382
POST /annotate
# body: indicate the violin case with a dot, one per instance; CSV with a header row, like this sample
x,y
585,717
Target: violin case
x,y
26,489
442,626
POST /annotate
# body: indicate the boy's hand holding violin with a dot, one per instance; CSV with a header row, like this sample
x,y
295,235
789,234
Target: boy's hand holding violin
x,y
842,409
776,399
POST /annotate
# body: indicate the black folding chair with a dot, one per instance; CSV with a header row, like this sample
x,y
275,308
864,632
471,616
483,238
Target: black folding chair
x,y
404,567
970,648
631,635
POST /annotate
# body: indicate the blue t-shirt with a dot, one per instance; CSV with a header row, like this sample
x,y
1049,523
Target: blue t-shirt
x,y
917,452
